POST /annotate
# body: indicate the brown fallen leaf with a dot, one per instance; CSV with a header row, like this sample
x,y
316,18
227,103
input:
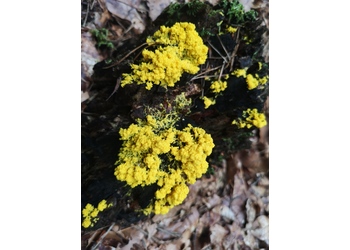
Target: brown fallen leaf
x,y
135,236
90,239
251,241
239,193
84,96
192,196
258,197
104,239
165,219
217,233
261,228
212,201
251,213
151,230
114,239
89,57
182,243
156,7
225,212
251,161
263,181
126,10
178,225
235,239
202,231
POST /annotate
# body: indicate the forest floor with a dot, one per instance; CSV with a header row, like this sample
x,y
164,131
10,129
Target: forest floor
x,y
227,209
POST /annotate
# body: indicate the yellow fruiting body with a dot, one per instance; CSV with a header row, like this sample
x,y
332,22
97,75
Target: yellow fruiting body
x,y
155,152
218,86
231,29
179,49
208,102
252,118
215,87
252,81
262,80
240,72
90,213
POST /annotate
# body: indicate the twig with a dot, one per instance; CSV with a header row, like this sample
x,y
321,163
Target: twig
x,y
222,69
115,64
92,5
203,82
145,48
233,55
128,29
158,241
223,46
87,13
120,24
140,229
218,52
196,76
91,114
115,88
171,233
214,58
103,236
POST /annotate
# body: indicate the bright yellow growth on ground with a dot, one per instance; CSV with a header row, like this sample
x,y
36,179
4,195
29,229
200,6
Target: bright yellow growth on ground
x,y
252,81
90,213
215,87
179,49
252,118
240,72
208,102
230,29
218,86
154,151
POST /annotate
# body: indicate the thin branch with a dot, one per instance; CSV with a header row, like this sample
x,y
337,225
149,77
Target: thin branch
x,y
103,236
115,64
233,55
171,233
218,52
223,46
92,5
222,69
115,88
197,76
86,16
128,29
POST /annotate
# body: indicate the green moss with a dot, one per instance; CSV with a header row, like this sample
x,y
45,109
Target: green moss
x,y
235,12
101,36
